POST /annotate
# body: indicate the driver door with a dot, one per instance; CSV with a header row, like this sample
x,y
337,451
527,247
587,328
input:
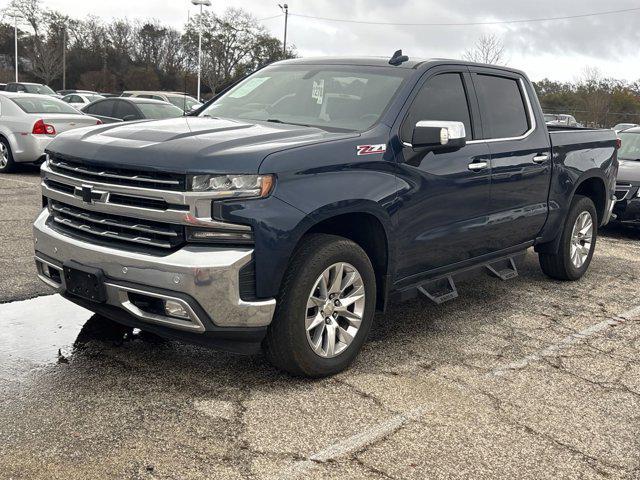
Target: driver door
x,y
445,193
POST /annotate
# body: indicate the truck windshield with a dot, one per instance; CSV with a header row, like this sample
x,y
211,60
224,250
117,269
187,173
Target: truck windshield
x,y
630,148
329,97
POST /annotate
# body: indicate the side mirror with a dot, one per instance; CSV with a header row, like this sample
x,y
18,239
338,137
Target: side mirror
x,y
129,118
439,135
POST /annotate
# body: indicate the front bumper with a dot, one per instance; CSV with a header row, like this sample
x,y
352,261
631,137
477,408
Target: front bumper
x,y
205,281
627,206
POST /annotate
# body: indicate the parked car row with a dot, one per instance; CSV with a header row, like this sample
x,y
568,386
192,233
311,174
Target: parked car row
x,y
29,122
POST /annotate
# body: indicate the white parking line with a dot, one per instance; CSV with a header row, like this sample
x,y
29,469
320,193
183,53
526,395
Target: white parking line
x,y
21,181
386,428
355,442
572,339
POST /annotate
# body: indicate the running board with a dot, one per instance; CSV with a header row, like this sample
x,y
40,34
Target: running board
x,y
443,289
439,291
504,269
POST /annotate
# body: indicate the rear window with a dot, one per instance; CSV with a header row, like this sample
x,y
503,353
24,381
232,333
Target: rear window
x,y
183,102
159,110
630,148
44,105
502,107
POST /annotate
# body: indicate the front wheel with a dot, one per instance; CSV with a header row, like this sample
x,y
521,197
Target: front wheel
x,y
577,244
325,308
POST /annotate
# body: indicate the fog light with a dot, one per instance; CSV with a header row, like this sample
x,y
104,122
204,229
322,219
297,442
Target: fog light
x,y
175,309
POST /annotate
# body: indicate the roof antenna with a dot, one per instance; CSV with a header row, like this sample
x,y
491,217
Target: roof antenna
x,y
398,58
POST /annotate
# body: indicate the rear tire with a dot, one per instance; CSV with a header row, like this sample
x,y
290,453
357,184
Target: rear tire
x,y
577,243
307,337
7,165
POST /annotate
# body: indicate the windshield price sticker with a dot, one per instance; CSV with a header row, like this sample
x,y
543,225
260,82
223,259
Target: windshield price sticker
x,y
317,92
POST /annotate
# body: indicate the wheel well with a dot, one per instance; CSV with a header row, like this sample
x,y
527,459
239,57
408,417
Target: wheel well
x,y
595,189
367,231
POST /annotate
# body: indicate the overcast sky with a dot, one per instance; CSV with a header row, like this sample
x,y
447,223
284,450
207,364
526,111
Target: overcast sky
x,y
555,49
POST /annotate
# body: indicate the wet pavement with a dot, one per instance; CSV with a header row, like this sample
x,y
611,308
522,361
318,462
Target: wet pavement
x,y
529,378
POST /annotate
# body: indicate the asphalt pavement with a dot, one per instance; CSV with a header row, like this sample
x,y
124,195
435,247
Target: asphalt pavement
x,y
529,378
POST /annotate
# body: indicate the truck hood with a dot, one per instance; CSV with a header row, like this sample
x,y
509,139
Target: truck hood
x,y
629,172
187,144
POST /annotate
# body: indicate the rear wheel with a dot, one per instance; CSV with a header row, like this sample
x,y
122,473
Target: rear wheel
x,y
7,164
577,244
325,309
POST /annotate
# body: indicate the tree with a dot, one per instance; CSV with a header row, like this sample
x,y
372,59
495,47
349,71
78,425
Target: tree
x,y
231,45
487,49
44,47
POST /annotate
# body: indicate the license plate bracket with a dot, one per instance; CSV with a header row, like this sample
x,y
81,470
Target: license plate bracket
x,y
85,282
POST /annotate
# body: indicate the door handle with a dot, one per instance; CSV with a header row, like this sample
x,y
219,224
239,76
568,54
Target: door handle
x,y
541,158
477,166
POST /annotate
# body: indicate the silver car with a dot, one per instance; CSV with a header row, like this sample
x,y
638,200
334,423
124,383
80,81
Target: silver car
x,y
29,122
79,100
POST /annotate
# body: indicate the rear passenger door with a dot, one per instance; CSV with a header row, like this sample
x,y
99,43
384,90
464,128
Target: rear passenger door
x,y
444,202
102,109
520,156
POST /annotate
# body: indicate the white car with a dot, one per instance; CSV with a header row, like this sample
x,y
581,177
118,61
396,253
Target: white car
x,y
79,100
29,122
180,100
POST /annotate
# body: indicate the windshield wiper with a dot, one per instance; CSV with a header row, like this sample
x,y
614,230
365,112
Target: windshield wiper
x,y
276,120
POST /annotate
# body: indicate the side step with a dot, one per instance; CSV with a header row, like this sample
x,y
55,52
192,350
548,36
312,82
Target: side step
x,y
504,269
443,289
439,291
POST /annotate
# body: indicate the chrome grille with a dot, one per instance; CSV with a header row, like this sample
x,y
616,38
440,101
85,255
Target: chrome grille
x,y
114,227
117,176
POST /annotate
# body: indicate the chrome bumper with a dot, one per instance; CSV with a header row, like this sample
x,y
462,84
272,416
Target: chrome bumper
x,y
207,276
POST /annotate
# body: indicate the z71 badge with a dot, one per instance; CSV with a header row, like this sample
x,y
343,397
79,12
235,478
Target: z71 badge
x,y
371,149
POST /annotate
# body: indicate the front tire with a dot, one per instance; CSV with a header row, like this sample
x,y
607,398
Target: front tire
x,y
325,308
7,165
577,244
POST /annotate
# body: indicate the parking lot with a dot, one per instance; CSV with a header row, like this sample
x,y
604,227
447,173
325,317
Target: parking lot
x,y
528,378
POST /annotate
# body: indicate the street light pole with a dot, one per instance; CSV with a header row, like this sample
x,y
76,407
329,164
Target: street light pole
x,y
64,58
202,3
285,9
15,23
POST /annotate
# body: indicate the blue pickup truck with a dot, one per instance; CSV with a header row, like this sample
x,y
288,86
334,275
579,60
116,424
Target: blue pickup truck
x,y
281,215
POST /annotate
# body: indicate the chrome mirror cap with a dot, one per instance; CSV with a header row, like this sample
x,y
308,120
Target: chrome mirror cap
x,y
448,130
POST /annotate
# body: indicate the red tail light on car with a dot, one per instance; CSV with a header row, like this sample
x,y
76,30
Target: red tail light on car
x,y
618,143
41,128
99,122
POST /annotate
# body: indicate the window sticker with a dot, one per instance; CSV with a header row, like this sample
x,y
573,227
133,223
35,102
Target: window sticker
x,y
249,86
317,92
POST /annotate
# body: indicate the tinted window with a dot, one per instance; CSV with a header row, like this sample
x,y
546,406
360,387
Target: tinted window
x,y
104,109
502,107
125,109
11,87
442,98
42,104
159,110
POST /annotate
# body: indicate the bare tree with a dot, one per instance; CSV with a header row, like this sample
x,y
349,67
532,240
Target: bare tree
x,y
487,49
44,49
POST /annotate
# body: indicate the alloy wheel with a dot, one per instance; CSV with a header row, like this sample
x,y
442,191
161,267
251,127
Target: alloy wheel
x,y
4,155
581,239
335,309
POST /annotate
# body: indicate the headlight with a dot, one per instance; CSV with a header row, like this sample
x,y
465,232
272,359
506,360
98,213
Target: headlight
x,y
232,186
